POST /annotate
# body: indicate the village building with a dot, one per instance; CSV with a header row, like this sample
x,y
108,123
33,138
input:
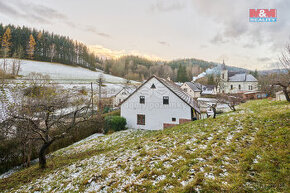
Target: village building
x,y
236,82
158,103
122,95
280,96
192,89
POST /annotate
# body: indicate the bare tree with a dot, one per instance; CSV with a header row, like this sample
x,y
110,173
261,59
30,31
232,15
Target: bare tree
x,y
48,112
52,51
283,79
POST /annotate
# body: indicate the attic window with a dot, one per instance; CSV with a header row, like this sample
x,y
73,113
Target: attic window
x,y
153,86
165,100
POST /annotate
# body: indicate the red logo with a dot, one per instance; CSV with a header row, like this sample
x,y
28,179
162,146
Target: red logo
x,y
263,13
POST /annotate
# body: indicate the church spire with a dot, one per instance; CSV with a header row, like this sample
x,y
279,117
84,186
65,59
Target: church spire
x,y
223,65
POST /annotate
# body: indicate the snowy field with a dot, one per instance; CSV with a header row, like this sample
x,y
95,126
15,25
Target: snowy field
x,y
65,72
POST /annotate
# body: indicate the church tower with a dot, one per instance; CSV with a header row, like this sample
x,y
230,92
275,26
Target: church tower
x,y
224,72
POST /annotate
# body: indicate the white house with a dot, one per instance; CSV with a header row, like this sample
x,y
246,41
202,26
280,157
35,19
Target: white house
x,y
280,96
158,103
192,89
122,95
233,83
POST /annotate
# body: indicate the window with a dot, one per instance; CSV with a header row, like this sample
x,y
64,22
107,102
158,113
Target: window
x,y
239,87
232,87
250,87
142,99
153,86
173,119
140,119
165,100
223,76
185,89
124,93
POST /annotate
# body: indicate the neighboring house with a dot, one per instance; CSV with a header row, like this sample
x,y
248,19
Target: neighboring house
x,y
193,89
158,103
122,95
209,90
233,83
280,96
254,95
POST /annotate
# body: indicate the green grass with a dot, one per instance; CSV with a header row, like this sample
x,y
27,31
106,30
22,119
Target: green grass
x,y
242,151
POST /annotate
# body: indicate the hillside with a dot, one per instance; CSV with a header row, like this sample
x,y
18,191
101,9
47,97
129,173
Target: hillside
x,y
62,72
243,151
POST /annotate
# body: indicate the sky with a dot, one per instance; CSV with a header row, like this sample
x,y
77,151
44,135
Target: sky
x,y
212,30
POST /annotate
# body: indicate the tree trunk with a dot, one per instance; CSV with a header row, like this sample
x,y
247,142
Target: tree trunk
x,y
214,112
286,94
42,153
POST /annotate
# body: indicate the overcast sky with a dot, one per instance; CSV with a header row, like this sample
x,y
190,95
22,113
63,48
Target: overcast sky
x,y
212,30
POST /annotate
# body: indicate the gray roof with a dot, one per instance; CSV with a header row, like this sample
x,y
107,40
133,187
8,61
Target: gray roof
x,y
242,78
194,86
179,92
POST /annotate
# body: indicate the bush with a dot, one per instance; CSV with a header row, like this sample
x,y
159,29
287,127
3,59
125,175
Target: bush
x,y
115,123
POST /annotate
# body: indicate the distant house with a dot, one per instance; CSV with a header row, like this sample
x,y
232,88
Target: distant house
x,y
280,96
192,89
254,95
232,82
209,90
158,103
122,95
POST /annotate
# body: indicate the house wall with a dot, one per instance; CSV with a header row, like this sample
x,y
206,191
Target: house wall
x,y
280,97
226,87
121,96
189,91
156,113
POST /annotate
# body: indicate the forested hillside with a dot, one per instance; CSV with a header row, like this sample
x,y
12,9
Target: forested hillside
x,y
138,68
33,44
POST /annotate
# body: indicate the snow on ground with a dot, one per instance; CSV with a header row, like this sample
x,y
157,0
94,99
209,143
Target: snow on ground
x,y
64,72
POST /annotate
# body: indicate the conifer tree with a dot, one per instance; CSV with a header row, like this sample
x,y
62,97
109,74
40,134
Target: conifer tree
x,y
6,40
31,47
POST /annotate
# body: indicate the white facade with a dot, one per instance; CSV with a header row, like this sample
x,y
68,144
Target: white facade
x,y
237,83
122,95
280,96
157,114
193,93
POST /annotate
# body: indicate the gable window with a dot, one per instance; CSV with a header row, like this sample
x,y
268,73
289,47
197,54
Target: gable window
x,y
142,99
166,100
153,86
239,87
232,87
173,119
185,89
140,119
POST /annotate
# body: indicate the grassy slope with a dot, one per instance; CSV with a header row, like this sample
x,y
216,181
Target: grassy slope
x,y
244,151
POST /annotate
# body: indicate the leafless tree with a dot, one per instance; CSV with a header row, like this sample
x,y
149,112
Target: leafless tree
x,y
52,51
283,79
231,100
48,112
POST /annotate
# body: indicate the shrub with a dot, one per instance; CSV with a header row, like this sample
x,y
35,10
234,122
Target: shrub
x,y
115,123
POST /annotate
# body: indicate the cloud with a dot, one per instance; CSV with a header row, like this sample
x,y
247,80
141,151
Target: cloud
x,y
233,23
167,5
93,30
30,12
264,59
113,54
164,43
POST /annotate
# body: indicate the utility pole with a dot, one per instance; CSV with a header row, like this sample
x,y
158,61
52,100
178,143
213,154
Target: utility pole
x,y
92,98
100,81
